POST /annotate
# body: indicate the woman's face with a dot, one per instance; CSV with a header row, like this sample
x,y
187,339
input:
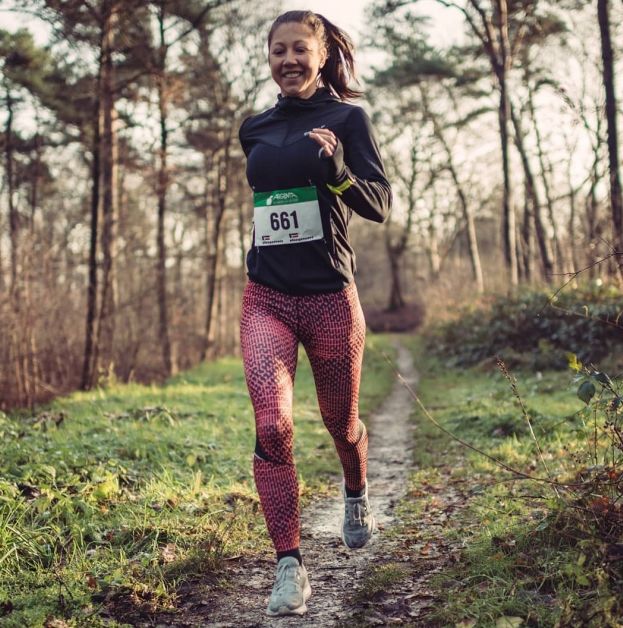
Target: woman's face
x,y
295,56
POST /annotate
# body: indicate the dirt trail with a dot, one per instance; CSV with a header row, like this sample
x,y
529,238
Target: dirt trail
x,y
335,572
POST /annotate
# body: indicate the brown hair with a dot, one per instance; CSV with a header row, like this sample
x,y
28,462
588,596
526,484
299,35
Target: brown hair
x,y
339,67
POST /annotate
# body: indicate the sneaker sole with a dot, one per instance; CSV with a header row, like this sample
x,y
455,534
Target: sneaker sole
x,y
299,610
367,540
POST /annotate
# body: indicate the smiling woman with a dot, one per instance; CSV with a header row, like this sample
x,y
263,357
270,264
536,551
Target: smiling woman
x,y
311,161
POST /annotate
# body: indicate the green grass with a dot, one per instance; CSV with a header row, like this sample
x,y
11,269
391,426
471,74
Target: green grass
x,y
123,493
379,578
527,551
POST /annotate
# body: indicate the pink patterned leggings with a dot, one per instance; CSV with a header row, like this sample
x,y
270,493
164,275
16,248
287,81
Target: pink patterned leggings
x,y
331,327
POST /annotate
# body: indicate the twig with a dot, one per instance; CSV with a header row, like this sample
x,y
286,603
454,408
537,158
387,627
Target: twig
x,y
518,474
574,275
513,384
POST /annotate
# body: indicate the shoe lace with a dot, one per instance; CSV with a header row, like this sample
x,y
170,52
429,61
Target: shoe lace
x,y
356,512
286,576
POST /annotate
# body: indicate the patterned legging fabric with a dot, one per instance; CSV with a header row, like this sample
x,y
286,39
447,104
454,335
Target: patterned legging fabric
x,y
331,328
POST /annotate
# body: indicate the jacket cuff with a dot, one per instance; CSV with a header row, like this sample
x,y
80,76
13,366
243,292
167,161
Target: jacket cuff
x,y
338,172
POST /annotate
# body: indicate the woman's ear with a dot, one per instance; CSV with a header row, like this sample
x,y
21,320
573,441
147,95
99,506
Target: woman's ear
x,y
323,58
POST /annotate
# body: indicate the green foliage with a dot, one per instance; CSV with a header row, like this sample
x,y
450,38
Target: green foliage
x,y
111,499
550,556
528,330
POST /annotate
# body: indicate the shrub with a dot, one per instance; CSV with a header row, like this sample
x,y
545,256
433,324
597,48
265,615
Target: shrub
x,y
535,330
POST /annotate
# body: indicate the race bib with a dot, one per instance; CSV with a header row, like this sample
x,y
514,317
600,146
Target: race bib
x,y
286,216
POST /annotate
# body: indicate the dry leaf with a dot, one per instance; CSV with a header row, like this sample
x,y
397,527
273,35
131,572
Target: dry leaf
x,y
169,553
508,622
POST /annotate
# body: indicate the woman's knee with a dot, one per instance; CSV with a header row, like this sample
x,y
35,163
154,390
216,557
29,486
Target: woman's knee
x,y
274,440
345,432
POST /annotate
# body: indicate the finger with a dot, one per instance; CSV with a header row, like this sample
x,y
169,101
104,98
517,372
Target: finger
x,y
322,131
320,139
326,133
327,143
328,149
327,138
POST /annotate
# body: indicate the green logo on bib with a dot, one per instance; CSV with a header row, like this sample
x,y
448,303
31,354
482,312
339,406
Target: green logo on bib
x,y
285,197
282,198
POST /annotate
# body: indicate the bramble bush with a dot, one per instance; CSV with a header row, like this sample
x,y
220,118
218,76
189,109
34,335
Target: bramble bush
x,y
586,517
534,330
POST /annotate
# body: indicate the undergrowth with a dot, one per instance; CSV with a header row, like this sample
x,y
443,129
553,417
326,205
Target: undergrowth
x,y
533,329
546,551
110,500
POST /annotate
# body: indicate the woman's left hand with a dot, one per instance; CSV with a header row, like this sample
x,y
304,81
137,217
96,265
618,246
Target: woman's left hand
x,y
326,139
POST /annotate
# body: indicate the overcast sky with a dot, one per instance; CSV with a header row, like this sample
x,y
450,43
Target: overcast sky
x,y
446,23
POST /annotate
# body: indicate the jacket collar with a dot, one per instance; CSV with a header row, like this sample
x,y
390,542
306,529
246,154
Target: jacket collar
x,y
292,103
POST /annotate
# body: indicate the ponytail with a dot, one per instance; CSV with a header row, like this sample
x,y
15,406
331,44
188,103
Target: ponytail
x,y
339,67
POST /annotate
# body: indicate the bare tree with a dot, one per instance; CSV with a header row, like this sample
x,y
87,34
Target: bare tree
x,y
607,55
468,214
397,245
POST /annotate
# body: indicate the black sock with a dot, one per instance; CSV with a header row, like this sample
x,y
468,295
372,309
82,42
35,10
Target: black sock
x,y
359,493
295,553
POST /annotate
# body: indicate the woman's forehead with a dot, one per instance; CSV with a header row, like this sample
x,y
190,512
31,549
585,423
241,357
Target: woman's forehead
x,y
292,31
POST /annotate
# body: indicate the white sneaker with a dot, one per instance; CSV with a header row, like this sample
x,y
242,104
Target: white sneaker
x,y
359,523
291,589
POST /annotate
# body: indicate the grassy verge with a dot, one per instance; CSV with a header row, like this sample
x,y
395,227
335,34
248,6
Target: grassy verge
x,y
124,493
527,554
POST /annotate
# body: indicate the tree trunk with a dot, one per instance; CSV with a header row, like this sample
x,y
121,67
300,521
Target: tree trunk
x,y
593,226
163,175
106,327
525,242
90,334
616,199
10,187
432,250
396,248
544,178
2,271
533,196
213,237
394,257
508,210
575,263
17,357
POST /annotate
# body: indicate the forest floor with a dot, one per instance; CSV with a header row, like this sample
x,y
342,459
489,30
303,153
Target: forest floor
x,y
376,585
134,506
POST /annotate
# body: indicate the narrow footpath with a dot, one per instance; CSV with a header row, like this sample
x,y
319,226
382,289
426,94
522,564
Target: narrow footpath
x,y
337,574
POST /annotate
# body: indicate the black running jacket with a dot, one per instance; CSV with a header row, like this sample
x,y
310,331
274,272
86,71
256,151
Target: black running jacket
x,y
280,156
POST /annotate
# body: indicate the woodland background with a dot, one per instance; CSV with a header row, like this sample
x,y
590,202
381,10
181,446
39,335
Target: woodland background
x,y
125,213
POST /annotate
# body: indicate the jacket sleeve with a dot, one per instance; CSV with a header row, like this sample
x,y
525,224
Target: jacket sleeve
x,y
358,158
242,136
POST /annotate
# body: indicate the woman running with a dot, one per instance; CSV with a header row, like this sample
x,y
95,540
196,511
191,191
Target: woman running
x,y
311,161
